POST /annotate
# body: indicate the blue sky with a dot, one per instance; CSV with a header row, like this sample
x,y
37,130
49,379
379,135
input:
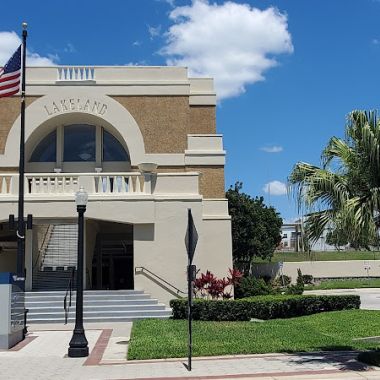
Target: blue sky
x,y
316,61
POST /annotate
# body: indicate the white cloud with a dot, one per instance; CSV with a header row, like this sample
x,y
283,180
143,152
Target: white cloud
x,y
375,41
136,43
233,43
275,188
154,31
9,42
272,149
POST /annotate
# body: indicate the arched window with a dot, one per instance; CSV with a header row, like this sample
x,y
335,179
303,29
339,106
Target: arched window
x,y
112,149
79,143
46,150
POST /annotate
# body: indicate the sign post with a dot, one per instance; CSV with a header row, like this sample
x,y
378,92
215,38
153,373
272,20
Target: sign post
x,y
191,240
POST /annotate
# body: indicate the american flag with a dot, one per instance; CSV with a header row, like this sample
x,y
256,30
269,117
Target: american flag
x,y
10,75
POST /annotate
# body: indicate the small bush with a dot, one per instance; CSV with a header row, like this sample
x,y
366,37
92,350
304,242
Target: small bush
x,y
251,286
308,279
263,307
281,281
299,287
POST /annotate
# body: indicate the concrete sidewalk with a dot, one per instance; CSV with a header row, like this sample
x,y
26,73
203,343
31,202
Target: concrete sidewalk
x,y
43,356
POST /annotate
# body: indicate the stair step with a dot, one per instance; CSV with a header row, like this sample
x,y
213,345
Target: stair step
x,y
117,304
98,306
99,297
99,314
88,293
99,319
98,309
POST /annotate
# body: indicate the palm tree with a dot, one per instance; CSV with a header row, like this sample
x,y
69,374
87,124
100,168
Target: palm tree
x,y
344,193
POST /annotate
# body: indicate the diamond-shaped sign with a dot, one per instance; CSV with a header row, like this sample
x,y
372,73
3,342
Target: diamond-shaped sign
x,y
191,237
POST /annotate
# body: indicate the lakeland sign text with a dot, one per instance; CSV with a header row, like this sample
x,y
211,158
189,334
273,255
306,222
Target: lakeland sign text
x,y
76,105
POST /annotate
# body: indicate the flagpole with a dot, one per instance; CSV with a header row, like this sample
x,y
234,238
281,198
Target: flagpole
x,y
21,221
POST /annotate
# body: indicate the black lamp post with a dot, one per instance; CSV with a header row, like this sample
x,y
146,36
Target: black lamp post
x,y
78,344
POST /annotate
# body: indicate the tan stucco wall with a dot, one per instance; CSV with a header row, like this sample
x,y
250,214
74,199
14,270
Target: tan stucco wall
x,y
163,121
211,181
9,112
202,120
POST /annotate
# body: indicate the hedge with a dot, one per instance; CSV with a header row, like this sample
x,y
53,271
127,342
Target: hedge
x,y
263,307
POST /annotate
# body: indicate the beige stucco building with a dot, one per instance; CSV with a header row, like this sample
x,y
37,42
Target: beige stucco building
x,y
94,127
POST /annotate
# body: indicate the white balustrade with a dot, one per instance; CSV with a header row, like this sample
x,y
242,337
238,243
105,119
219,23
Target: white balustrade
x,y
51,184
75,73
119,183
6,184
65,183
101,184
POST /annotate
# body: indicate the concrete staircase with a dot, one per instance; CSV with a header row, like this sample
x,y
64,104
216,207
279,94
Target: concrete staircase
x,y
49,280
62,248
59,259
98,306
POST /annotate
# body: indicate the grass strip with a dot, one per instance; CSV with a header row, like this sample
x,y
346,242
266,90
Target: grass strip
x,y
321,256
154,339
346,284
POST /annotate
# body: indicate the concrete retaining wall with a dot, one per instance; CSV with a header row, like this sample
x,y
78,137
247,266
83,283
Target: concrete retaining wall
x,y
320,269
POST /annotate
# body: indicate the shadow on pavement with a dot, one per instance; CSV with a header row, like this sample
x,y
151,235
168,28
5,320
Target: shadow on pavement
x,y
344,360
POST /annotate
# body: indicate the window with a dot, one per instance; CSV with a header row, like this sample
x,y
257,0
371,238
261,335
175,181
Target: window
x,y
46,150
79,143
112,149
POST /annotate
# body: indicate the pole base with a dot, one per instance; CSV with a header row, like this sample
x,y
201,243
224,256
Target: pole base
x,y
78,344
78,352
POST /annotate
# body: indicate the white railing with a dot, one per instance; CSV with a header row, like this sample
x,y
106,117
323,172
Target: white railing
x,y
65,183
6,183
51,184
101,184
75,73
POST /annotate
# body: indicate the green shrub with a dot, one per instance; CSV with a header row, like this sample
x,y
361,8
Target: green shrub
x,y
294,289
281,280
213,310
251,286
299,287
308,279
263,307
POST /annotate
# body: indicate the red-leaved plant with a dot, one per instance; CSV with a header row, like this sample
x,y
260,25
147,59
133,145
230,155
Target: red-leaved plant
x,y
209,286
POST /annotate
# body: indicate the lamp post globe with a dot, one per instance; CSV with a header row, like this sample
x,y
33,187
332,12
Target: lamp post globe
x,y
78,343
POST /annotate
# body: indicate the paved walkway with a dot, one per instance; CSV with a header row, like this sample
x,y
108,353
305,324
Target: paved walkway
x,y
43,356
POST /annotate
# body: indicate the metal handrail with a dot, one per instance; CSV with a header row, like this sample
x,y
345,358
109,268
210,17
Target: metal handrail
x,y
43,247
142,269
69,290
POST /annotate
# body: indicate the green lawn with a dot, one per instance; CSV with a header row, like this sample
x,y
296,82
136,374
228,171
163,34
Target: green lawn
x,y
346,284
322,256
325,331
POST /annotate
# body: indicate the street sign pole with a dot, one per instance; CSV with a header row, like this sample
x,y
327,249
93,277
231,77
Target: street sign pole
x,y
191,242
189,315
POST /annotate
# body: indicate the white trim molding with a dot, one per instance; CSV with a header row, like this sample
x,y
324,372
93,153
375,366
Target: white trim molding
x,y
51,110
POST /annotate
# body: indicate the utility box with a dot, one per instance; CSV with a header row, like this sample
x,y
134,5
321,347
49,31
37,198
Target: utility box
x,y
12,301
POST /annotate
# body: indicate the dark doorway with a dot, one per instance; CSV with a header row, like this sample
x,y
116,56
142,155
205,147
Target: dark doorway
x,y
112,266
